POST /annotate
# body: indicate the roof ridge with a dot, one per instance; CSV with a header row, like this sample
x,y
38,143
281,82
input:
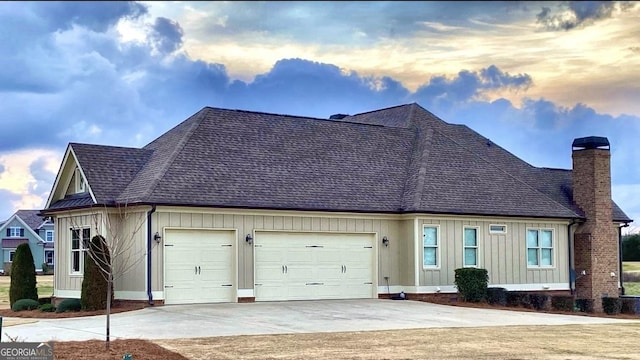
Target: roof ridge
x,y
172,156
384,109
422,171
505,172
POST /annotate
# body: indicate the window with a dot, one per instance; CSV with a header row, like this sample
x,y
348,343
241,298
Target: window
x,y
470,247
49,236
539,247
48,257
11,255
79,237
430,243
80,183
15,231
497,229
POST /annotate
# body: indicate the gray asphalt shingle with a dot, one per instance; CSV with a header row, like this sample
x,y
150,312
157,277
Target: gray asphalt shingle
x,y
395,160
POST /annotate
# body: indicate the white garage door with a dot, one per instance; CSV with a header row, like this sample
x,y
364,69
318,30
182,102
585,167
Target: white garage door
x,y
309,266
199,266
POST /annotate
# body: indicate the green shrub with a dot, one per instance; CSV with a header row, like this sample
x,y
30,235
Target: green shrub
x,y
44,300
630,306
23,276
611,305
45,268
562,303
540,301
47,308
497,296
584,305
472,284
24,304
69,305
518,298
94,284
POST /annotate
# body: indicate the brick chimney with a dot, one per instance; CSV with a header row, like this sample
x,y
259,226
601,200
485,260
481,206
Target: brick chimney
x,y
595,240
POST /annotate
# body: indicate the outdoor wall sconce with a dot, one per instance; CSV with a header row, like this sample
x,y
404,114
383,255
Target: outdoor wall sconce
x,y
249,239
385,241
157,237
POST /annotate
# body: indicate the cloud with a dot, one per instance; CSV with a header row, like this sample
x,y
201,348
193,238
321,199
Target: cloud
x,y
166,35
340,22
7,199
297,86
42,175
94,15
579,13
444,92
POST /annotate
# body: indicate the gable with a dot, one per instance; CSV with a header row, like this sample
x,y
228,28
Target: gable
x,y
68,180
26,231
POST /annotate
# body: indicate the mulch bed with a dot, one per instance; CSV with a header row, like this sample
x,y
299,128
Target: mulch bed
x,y
484,305
95,350
116,307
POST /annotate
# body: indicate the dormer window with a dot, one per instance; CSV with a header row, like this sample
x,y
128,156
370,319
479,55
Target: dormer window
x,y
15,231
80,183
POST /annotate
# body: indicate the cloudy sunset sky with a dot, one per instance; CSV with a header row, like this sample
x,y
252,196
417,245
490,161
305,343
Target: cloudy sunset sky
x,y
530,76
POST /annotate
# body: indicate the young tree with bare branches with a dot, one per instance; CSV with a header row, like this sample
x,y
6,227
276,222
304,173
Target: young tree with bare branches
x,y
114,254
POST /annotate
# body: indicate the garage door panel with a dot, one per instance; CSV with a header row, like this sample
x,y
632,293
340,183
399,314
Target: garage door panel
x,y
299,255
318,266
199,266
270,292
270,273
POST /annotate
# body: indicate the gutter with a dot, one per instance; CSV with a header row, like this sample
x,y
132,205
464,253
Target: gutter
x,y
149,240
620,273
572,271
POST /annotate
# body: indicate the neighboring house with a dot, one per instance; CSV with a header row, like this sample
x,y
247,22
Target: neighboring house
x,y
27,226
248,206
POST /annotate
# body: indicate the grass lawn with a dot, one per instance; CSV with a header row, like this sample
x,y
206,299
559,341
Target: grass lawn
x,y
632,288
631,266
44,283
583,342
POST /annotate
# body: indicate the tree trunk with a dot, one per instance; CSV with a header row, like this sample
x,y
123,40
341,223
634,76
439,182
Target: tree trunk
x,y
109,285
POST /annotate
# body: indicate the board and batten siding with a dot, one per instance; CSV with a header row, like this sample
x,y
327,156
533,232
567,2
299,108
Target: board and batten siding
x,y
129,264
503,255
249,222
64,280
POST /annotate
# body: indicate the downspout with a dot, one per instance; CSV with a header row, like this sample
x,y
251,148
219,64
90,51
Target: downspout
x,y
149,240
572,272
620,257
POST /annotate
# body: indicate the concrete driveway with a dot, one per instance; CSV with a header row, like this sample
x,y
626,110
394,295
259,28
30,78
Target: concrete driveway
x,y
189,321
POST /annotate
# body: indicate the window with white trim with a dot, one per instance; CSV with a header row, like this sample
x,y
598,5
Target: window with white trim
x,y
81,185
48,236
497,229
470,247
48,257
11,255
539,247
430,244
79,237
15,231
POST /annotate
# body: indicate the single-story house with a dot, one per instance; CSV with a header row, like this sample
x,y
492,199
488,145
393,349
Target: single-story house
x,y
27,226
233,206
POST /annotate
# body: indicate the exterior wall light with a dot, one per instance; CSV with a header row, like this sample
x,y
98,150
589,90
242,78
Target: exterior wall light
x,y
249,239
385,241
157,237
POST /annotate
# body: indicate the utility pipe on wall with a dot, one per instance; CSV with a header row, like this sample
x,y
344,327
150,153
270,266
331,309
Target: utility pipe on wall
x,y
149,240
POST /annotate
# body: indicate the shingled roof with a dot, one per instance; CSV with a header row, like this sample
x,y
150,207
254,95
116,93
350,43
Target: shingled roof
x,y
397,160
31,218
